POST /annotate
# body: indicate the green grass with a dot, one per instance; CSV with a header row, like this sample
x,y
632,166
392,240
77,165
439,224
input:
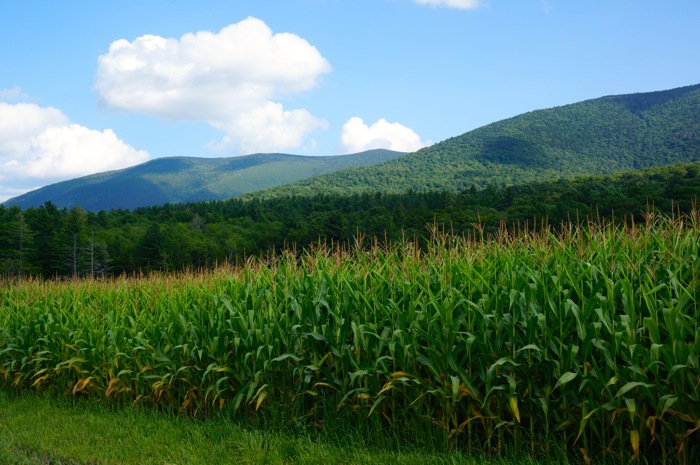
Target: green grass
x,y
43,430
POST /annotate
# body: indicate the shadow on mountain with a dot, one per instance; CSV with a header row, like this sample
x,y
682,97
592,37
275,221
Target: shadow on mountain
x,y
637,103
514,151
126,194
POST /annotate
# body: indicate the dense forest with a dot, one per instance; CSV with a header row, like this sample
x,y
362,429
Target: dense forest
x,y
58,242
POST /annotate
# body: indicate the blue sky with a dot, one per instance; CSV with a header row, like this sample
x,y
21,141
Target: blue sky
x,y
91,86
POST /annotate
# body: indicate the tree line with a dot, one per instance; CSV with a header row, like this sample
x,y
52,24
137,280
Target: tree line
x,y
59,242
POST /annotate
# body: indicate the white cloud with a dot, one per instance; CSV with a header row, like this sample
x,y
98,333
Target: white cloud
x,y
357,136
458,4
40,145
268,128
232,79
12,95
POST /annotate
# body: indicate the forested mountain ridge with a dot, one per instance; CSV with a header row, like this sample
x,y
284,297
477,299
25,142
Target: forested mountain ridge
x,y
604,135
190,179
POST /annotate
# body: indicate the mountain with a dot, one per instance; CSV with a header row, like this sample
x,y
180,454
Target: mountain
x,y
188,179
601,136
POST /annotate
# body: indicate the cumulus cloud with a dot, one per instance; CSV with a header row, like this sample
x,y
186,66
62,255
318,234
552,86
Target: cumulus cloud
x,y
357,136
40,145
233,79
458,4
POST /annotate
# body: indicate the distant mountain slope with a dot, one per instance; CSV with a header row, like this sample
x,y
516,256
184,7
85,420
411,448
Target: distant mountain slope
x,y
185,179
600,136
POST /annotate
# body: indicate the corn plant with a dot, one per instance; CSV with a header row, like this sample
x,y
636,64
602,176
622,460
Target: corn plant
x,y
584,337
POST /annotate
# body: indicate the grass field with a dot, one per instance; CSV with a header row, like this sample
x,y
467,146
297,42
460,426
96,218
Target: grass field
x,y
581,343
44,430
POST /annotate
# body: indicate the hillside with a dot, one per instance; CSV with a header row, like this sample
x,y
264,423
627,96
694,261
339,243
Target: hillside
x,y
189,179
600,136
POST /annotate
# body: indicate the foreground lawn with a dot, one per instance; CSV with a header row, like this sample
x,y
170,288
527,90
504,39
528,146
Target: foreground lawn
x,y
43,430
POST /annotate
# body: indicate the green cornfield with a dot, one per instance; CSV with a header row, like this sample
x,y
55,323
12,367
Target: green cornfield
x,y
582,339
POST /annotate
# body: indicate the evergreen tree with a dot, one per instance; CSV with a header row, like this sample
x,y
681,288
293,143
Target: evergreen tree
x,y
74,243
16,243
45,222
